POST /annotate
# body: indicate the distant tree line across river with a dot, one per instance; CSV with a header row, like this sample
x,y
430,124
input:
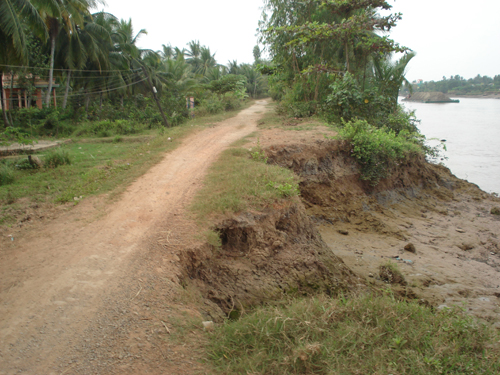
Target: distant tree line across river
x,y
458,85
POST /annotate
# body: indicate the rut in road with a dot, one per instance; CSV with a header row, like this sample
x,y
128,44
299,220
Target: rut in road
x,y
56,276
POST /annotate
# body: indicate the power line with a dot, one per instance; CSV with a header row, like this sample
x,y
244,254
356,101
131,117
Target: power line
x,y
11,99
73,70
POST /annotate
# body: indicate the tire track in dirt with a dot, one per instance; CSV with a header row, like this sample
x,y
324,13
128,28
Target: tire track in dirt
x,y
55,276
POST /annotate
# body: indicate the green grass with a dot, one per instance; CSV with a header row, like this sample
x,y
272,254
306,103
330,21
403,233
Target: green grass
x,y
363,335
238,182
98,165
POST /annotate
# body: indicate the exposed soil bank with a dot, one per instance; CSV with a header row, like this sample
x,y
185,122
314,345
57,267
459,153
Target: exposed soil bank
x,y
448,221
264,256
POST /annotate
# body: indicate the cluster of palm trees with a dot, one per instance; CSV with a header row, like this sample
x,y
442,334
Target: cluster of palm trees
x,y
95,56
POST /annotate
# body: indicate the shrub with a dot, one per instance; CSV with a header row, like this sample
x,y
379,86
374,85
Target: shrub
x,y
6,175
54,159
377,150
213,104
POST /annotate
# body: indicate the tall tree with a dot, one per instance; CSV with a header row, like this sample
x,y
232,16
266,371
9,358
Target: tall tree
x,y
15,16
59,14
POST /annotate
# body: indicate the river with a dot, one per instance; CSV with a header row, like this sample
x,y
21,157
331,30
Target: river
x,y
471,129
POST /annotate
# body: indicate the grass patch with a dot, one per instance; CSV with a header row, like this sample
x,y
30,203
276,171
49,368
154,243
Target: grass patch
x,y
6,175
57,157
238,182
99,165
363,335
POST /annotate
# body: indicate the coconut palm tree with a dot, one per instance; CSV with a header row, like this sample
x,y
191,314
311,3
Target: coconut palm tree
x,y
390,76
14,16
59,14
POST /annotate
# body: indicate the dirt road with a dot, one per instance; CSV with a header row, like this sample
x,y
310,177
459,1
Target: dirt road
x,y
85,292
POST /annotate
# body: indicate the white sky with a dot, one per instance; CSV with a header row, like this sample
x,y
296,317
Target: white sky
x,y
450,36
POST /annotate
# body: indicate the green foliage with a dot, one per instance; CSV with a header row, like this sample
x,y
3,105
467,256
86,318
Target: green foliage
x,y
361,335
287,189
17,135
228,83
211,105
24,164
56,158
6,175
258,153
377,150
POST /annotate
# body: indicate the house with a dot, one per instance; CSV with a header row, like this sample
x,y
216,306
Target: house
x,y
17,95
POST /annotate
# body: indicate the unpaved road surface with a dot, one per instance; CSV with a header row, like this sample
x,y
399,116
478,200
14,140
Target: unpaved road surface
x,y
94,290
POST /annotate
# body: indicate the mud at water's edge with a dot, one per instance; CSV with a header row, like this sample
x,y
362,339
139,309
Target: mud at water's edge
x,y
337,235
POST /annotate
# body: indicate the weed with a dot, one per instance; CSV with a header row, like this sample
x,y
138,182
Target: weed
x,y
213,238
6,175
258,153
56,158
288,189
390,273
24,164
117,139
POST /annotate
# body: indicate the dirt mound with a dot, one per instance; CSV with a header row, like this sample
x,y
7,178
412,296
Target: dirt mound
x,y
266,255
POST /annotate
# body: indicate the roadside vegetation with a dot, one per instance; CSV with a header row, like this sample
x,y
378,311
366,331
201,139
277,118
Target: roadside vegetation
x,y
360,335
333,61
86,166
103,83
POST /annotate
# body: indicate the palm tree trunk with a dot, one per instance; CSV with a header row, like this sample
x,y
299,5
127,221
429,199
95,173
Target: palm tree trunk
x,y
4,113
66,91
11,95
87,101
51,70
347,56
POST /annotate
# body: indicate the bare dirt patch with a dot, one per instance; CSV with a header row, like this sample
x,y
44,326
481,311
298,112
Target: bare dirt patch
x,y
92,290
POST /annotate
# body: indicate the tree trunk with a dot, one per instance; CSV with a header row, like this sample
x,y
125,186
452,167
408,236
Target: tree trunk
x,y
51,70
66,92
347,56
12,106
121,100
87,101
4,113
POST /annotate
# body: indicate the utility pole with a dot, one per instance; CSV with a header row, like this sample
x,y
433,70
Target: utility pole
x,y
153,90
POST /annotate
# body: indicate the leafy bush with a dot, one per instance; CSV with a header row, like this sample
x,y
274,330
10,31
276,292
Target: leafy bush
x,y
24,164
287,189
377,150
6,175
54,159
213,104
231,101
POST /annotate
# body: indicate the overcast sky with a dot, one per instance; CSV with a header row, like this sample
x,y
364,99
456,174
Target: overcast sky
x,y
450,36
